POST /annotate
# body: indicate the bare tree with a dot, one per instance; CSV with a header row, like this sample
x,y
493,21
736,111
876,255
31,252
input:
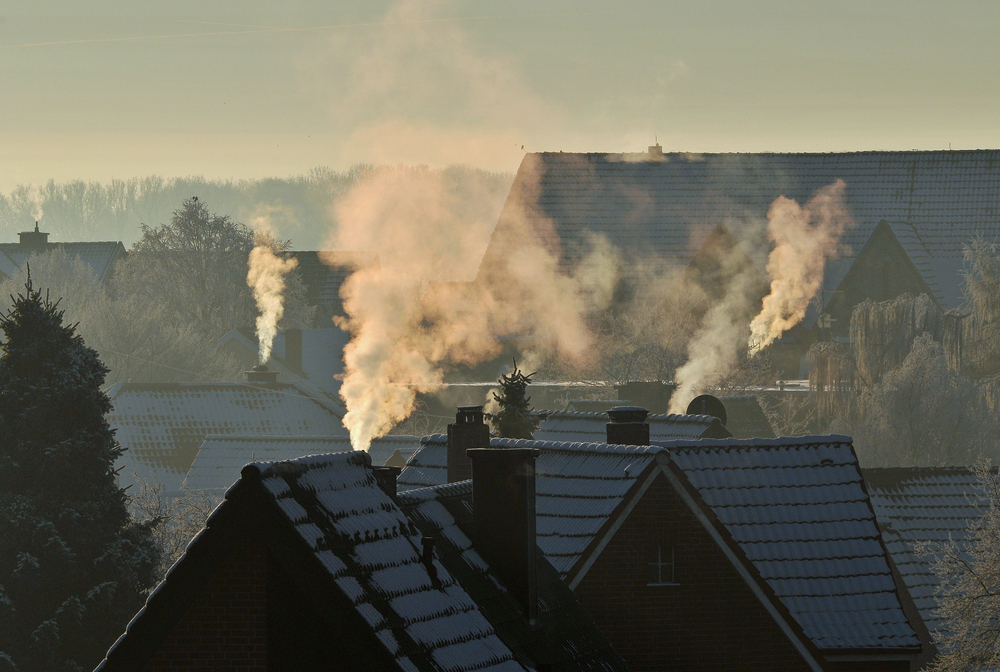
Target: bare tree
x,y
196,268
175,520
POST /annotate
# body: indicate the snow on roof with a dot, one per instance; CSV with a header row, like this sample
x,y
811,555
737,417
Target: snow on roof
x,y
795,507
100,256
162,426
373,554
589,427
799,511
665,209
565,636
220,458
923,504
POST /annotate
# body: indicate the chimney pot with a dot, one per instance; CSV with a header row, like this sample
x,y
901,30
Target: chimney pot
x,y
468,431
628,426
503,510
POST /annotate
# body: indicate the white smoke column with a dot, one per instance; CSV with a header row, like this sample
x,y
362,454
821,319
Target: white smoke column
x,y
803,238
36,203
714,348
266,276
419,310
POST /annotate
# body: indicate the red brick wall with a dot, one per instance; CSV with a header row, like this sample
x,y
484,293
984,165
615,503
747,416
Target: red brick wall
x,y
711,620
226,627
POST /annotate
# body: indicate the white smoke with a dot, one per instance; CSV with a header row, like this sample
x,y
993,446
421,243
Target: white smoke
x,y
37,199
803,237
420,309
266,277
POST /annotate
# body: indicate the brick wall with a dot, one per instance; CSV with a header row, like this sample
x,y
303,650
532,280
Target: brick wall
x,y
226,627
709,620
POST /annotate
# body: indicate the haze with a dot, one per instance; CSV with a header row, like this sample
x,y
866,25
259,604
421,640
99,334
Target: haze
x,y
250,89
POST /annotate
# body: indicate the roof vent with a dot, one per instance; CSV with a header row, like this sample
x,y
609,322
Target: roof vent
x,y
261,375
706,404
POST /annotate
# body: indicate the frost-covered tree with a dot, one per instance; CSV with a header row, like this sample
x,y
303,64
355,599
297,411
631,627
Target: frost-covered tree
x,y
74,568
195,268
128,329
515,418
968,594
921,414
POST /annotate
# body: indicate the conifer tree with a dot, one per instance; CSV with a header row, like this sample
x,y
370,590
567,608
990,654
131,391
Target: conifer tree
x,y
516,419
74,568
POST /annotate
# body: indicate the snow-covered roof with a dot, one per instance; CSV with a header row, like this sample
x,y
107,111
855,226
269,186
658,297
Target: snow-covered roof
x,y
373,554
365,548
220,458
565,635
798,510
664,208
590,427
100,256
163,425
923,504
795,508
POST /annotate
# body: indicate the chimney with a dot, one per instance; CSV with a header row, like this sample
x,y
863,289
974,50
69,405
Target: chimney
x,y
34,241
293,349
655,151
469,431
653,395
261,375
628,426
385,477
503,510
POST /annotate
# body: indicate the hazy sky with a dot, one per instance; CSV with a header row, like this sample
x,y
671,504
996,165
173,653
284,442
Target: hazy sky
x,y
108,88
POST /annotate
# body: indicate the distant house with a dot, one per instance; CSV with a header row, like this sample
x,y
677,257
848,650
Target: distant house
x,y
311,357
220,458
99,256
323,273
162,426
316,564
713,554
912,212
914,505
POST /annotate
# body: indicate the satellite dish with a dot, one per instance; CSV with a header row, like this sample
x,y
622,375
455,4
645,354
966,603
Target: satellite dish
x,y
706,404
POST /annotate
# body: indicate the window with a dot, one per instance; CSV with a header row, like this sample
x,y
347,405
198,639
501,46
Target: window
x,y
662,567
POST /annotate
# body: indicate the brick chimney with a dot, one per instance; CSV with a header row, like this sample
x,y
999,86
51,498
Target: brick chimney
x,y
261,376
386,477
469,431
34,241
293,349
628,426
503,509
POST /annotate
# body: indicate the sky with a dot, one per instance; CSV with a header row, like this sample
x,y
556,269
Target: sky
x,y
247,89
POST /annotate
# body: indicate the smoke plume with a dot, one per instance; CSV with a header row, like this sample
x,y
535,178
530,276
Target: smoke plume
x,y
36,203
423,307
266,277
803,238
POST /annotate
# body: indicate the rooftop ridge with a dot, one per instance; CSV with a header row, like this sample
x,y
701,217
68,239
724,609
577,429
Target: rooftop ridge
x,y
659,417
431,492
866,152
265,469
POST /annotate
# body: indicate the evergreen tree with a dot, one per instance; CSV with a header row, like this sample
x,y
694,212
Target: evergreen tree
x,y
74,568
516,419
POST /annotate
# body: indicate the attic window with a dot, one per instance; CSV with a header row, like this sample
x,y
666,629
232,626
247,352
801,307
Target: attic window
x,y
661,569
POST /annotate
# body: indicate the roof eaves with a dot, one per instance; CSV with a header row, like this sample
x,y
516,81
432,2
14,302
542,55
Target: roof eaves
x,y
612,524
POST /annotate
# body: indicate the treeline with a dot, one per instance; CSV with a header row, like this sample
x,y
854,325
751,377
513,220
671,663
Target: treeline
x,y
296,208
